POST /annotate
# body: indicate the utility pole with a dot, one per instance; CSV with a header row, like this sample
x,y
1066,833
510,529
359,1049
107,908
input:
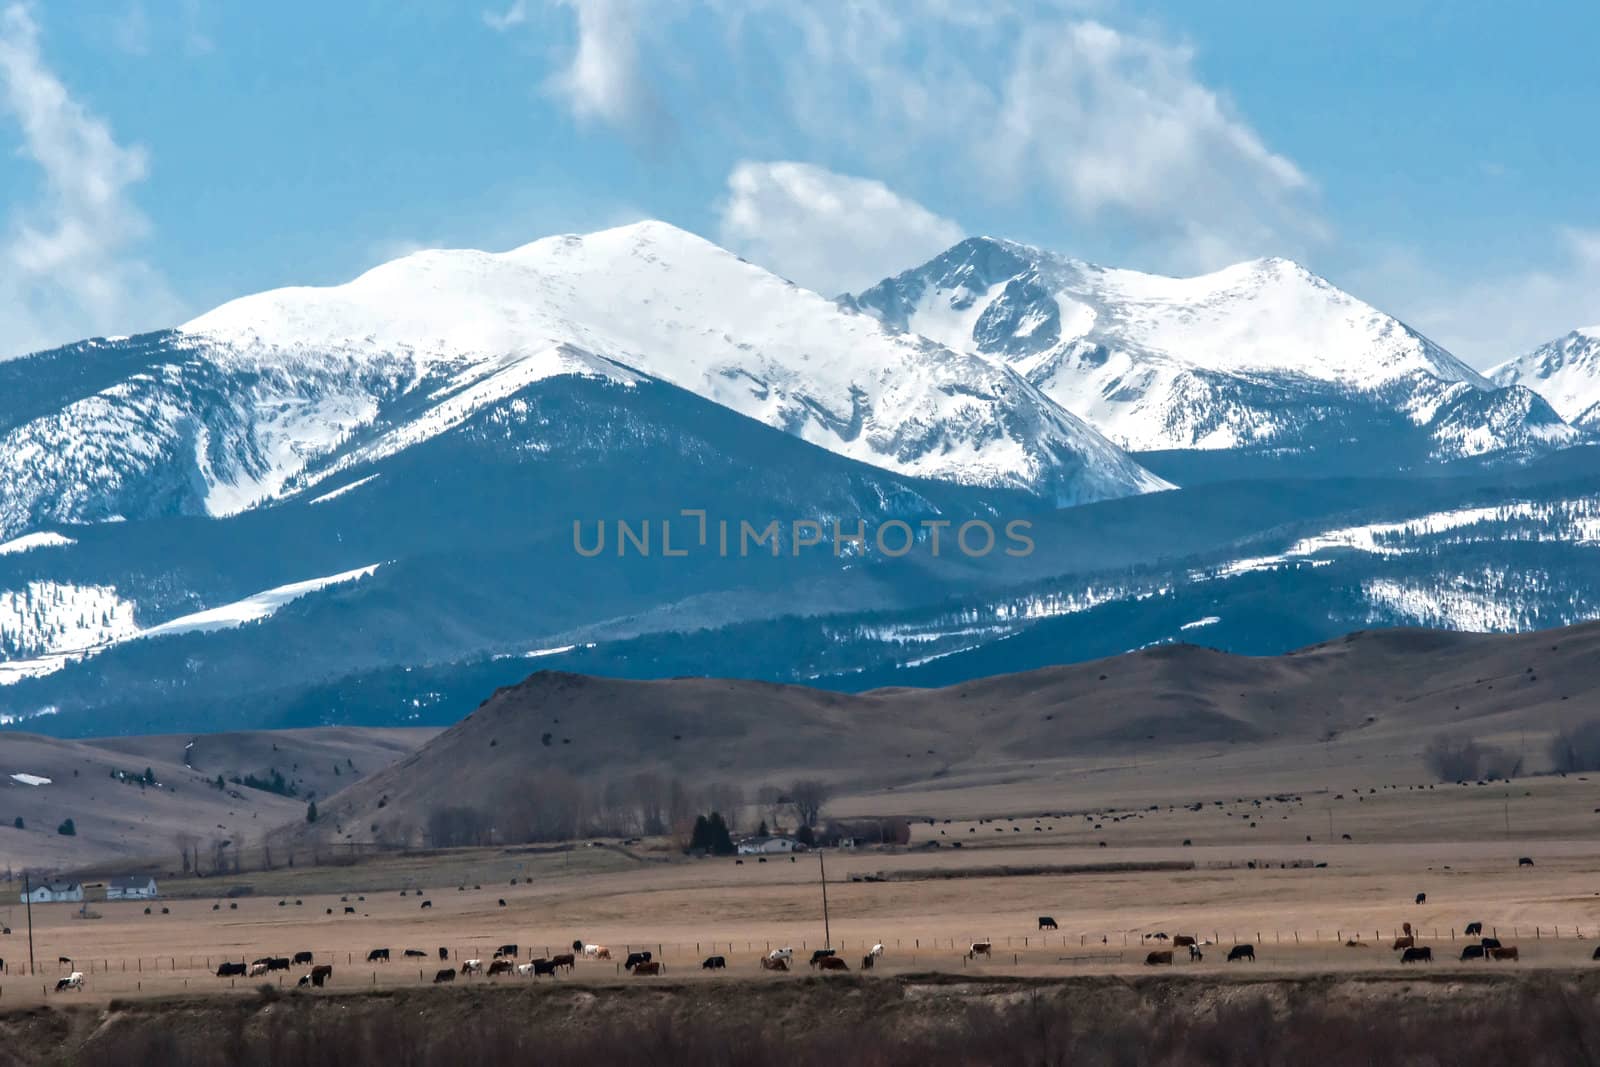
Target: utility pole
x,y
827,935
27,896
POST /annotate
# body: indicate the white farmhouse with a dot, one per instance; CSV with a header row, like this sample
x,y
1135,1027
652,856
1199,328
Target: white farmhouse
x,y
136,887
54,893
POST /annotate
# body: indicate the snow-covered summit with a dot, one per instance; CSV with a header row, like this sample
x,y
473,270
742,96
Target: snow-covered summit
x,y
1565,371
1220,360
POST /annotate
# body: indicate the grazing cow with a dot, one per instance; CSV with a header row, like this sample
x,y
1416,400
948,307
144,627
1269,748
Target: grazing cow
x,y
1183,941
979,948
321,973
867,961
1596,955
426,904
305,980
302,957
71,981
229,970
448,974
832,963
876,950
1046,923
1162,956
444,953
1403,942
1507,953
471,967
416,954
565,959
784,953
1490,942
1353,943
257,970
508,950
1242,952
542,966
525,969
818,955
378,954
1472,952
502,902
64,959
714,963
647,968
1422,898
634,959
1195,955
601,952
1474,928
500,967
1417,955
768,963
1525,861
349,910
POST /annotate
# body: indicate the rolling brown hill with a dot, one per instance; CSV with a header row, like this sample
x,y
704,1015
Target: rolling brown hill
x,y
1360,708
119,820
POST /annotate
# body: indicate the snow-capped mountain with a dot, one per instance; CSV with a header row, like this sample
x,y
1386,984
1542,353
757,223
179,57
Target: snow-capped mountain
x,y
274,393
1262,354
1566,372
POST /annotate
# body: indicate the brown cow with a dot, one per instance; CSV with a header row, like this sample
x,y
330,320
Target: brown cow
x,y
1403,942
774,965
979,948
1163,956
321,973
1182,941
832,963
566,959
500,966
1507,953
651,968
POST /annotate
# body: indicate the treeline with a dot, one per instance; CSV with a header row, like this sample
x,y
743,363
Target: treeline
x,y
1459,757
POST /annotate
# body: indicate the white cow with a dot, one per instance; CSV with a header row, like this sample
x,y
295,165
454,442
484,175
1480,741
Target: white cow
x,y
596,952
257,970
877,950
71,981
785,953
979,948
471,967
525,969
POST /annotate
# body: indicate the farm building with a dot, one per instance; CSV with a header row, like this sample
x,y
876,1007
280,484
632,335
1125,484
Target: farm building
x,y
136,887
767,846
54,893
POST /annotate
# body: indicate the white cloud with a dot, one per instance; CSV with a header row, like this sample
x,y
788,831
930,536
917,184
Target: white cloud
x,y
515,15
1494,317
827,231
602,81
65,271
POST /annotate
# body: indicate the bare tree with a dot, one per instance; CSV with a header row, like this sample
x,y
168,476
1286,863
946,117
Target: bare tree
x,y
188,846
1577,750
769,798
728,801
806,797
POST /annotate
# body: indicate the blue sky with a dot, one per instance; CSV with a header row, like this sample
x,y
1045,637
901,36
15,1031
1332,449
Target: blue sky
x,y
1436,160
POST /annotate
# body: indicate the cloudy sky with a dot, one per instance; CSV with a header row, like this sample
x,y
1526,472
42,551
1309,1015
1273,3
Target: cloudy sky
x,y
1437,160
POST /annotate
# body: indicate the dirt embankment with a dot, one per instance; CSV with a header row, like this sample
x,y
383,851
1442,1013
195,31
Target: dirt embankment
x,y
1497,1017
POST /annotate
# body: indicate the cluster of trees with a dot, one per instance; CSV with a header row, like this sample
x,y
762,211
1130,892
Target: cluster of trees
x,y
148,778
1458,758
711,836
1577,750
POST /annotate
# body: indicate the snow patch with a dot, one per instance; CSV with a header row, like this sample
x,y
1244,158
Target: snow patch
x,y
28,542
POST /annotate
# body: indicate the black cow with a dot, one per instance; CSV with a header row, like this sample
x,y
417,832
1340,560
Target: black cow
x,y
446,975
818,955
321,973
508,950
228,970
378,954
1242,952
278,963
1525,861
302,957
1490,942
866,962
444,953
714,963
305,980
416,953
549,967
427,904
1417,955
1422,898
1046,923
1474,928
349,911
1596,955
1473,952
634,959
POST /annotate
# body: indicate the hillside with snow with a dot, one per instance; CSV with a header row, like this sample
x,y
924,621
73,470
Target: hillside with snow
x,y
1263,354
1566,372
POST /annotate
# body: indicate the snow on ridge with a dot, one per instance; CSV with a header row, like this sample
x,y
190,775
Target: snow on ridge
x,y
1209,620
342,490
252,608
28,542
30,779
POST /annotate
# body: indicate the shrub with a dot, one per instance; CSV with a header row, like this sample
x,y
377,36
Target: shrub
x,y
67,829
